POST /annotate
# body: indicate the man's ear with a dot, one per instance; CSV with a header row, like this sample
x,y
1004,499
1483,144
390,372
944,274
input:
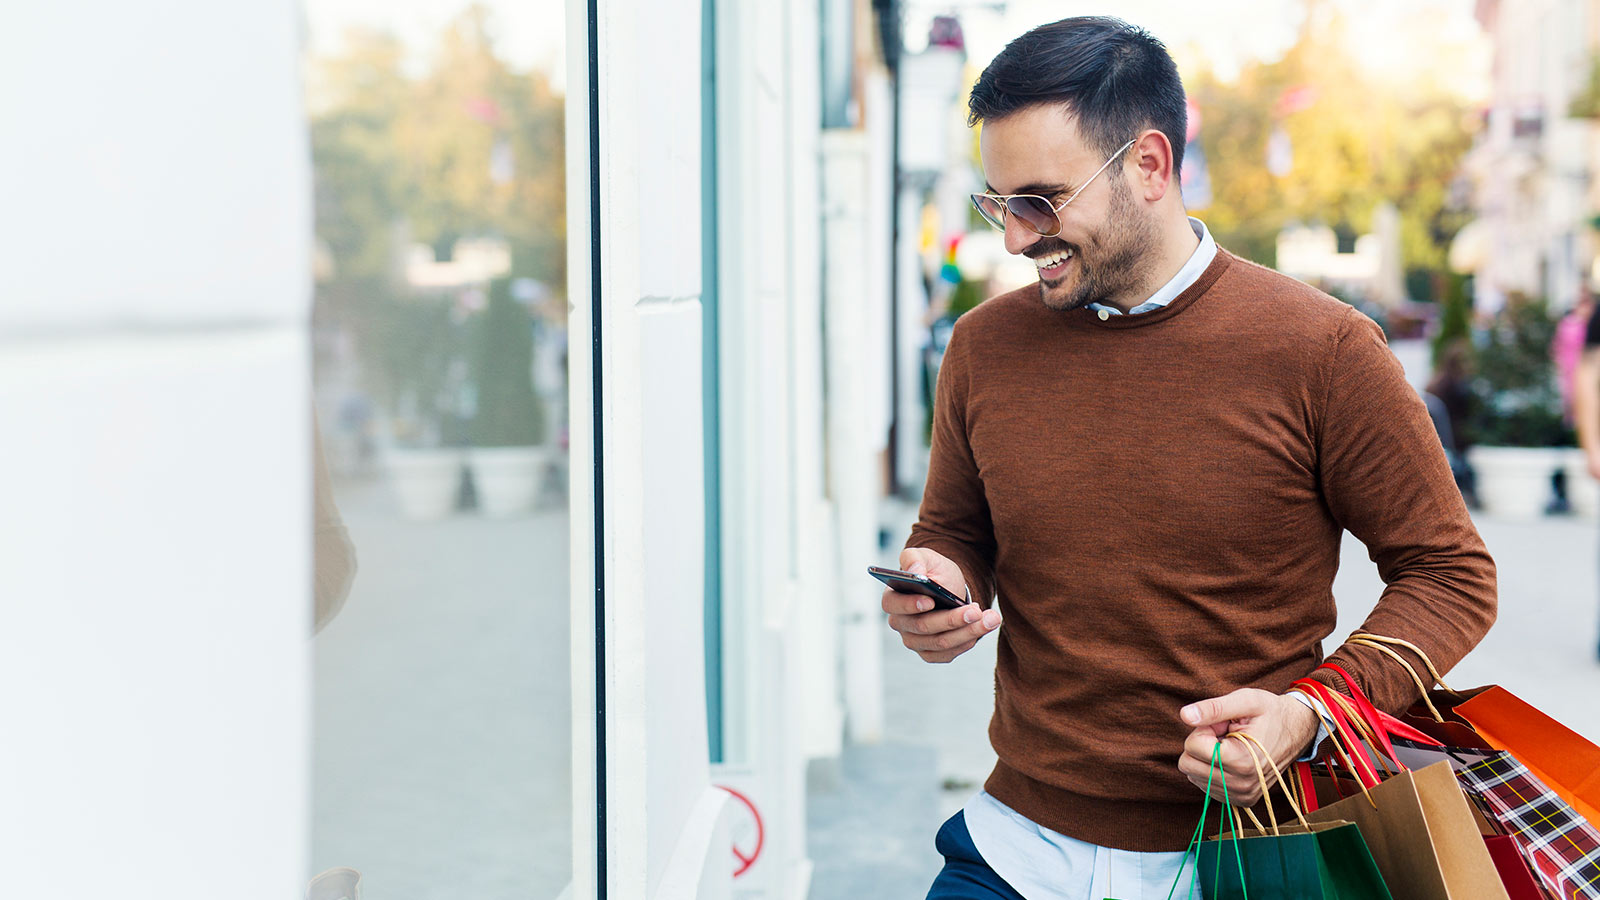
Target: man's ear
x,y
1152,157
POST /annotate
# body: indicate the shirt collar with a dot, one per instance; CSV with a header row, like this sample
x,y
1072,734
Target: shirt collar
x,y
1198,262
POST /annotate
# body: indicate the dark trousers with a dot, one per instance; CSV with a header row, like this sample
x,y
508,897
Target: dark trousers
x,y
965,875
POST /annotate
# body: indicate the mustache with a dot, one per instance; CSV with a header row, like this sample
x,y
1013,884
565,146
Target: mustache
x,y
1047,246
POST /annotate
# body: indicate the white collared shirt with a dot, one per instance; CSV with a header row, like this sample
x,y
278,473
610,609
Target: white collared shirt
x,y
1199,261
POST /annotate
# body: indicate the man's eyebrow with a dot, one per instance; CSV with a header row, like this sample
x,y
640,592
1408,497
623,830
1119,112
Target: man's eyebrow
x,y
1043,190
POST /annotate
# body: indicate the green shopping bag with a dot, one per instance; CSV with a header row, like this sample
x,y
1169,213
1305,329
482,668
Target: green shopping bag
x,y
1304,861
1325,860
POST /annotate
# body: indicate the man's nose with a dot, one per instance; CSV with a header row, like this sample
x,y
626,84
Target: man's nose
x,y
1019,237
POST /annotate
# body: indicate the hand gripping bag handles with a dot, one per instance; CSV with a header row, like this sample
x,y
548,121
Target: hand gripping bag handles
x,y
1556,841
1553,753
1325,861
1328,859
1417,824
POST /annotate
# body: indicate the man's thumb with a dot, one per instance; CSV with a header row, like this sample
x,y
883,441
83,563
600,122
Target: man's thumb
x,y
914,560
1237,705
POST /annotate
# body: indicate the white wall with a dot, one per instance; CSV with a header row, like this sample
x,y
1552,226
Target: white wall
x,y
800,444
154,381
665,825
765,438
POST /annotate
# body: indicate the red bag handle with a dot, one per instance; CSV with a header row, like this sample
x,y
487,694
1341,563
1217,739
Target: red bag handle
x,y
1341,725
1382,724
1369,713
1368,776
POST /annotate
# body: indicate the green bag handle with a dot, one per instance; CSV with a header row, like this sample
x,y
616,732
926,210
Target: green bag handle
x,y
1194,842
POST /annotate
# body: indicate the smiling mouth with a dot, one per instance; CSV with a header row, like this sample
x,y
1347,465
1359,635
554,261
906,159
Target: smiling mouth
x,y
1053,265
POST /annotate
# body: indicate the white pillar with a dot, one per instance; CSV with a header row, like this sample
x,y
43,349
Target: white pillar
x,y
155,543
857,367
771,465
911,333
665,832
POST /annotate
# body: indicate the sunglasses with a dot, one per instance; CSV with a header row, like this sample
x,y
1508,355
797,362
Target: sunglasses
x,y
1035,212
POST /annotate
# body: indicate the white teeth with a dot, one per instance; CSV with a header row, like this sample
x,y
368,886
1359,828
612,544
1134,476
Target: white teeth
x,y
1045,262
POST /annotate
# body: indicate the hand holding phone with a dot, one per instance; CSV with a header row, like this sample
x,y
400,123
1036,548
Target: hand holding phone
x,y
930,615
913,583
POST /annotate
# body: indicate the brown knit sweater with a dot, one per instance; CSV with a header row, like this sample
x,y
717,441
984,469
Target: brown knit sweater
x,y
1156,503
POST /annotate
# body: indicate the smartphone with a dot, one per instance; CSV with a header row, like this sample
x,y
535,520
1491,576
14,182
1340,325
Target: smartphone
x,y
908,583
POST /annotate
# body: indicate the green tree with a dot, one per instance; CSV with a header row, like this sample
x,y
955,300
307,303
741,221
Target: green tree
x,y
464,147
357,101
509,413
1357,143
468,148
1519,403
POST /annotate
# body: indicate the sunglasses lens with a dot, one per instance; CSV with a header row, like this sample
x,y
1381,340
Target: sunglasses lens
x,y
990,209
1036,213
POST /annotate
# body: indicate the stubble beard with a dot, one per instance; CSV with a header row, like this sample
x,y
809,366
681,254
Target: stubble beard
x,y
1113,261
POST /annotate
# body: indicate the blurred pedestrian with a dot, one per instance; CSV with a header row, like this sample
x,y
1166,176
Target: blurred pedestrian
x,y
1147,460
1449,398
1567,348
1586,401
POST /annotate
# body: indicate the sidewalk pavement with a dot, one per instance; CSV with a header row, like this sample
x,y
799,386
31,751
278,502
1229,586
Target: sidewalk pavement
x,y
871,832
442,754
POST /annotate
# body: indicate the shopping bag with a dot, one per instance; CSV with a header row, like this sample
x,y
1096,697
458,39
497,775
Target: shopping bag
x,y
1555,754
1310,860
1319,860
1561,847
1514,874
1417,824
1415,751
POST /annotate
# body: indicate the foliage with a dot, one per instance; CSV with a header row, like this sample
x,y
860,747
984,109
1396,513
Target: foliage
x,y
1519,404
358,180
414,341
1586,103
1455,316
967,295
1356,144
508,411
460,146
467,148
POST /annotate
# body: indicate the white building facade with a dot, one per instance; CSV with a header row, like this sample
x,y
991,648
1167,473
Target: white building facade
x,y
730,328
1535,163
742,388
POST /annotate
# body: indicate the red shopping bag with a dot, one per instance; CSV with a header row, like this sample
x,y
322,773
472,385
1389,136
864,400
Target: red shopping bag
x,y
1514,874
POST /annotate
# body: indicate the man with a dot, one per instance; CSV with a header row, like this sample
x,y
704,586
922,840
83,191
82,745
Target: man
x,y
1586,394
1146,461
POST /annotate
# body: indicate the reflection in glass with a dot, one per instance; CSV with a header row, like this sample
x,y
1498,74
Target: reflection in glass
x,y
442,753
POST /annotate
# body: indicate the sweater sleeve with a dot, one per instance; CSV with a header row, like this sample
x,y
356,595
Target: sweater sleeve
x,y
954,520
1385,478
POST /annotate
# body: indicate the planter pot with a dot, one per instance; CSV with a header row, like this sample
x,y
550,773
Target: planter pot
x,y
1514,482
1582,490
507,478
342,883
427,482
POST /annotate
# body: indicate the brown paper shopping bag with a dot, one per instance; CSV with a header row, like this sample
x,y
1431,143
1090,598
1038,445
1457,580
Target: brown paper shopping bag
x,y
1422,834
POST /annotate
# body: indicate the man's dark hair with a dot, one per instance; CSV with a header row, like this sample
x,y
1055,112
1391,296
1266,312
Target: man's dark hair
x,y
1116,79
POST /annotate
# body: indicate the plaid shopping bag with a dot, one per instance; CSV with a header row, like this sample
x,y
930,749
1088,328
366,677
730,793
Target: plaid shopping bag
x,y
1561,847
